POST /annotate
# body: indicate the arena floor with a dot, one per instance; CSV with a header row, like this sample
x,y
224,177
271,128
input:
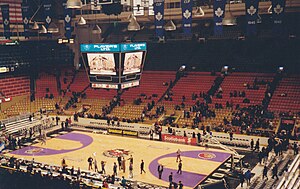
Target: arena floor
x,y
76,147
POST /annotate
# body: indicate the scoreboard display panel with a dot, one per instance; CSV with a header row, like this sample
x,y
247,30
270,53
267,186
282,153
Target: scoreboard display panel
x,y
114,66
101,63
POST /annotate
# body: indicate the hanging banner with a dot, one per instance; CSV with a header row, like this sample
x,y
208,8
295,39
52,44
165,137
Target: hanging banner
x,y
5,18
138,8
68,19
26,18
151,8
278,7
47,13
251,16
219,11
159,18
187,7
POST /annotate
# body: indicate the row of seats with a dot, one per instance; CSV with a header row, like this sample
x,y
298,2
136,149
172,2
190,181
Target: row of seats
x,y
152,86
15,86
46,84
286,96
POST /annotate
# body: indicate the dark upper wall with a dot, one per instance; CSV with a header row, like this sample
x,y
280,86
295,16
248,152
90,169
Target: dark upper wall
x,y
256,55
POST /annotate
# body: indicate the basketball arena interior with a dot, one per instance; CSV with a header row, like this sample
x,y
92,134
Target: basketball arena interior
x,y
149,94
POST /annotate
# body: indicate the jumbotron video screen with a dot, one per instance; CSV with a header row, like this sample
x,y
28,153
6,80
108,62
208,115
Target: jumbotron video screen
x,y
114,66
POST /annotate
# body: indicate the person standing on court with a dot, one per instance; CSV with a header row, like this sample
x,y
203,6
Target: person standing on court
x,y
130,159
103,167
142,167
119,159
123,164
160,170
115,167
130,170
180,185
179,167
96,165
151,134
178,155
171,178
198,137
90,161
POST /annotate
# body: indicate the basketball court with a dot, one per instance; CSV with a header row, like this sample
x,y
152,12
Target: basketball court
x,y
77,146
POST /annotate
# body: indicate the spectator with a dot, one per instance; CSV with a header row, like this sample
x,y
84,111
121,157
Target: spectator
x,y
242,179
275,171
257,145
252,144
123,182
265,172
295,148
248,177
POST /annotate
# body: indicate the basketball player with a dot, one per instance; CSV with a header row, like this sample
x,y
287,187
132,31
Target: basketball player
x,y
130,159
119,159
178,155
115,167
142,167
179,167
171,178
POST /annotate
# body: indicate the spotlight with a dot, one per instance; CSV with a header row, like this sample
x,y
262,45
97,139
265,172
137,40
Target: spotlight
x,y
280,68
182,68
224,70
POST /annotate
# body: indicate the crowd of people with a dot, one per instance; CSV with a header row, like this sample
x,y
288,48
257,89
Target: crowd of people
x,y
36,175
250,118
15,140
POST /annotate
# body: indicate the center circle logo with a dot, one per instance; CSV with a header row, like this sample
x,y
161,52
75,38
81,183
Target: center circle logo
x,y
116,153
206,155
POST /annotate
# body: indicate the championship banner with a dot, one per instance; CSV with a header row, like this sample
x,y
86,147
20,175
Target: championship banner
x,y
5,18
219,11
138,8
47,12
68,19
278,7
251,16
187,7
159,17
151,8
25,17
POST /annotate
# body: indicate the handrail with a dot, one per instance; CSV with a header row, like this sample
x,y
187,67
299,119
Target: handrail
x,y
15,118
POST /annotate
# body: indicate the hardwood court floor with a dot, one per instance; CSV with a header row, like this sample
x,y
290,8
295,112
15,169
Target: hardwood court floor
x,y
76,147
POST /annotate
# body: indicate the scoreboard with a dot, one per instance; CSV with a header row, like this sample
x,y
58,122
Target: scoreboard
x,y
114,66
